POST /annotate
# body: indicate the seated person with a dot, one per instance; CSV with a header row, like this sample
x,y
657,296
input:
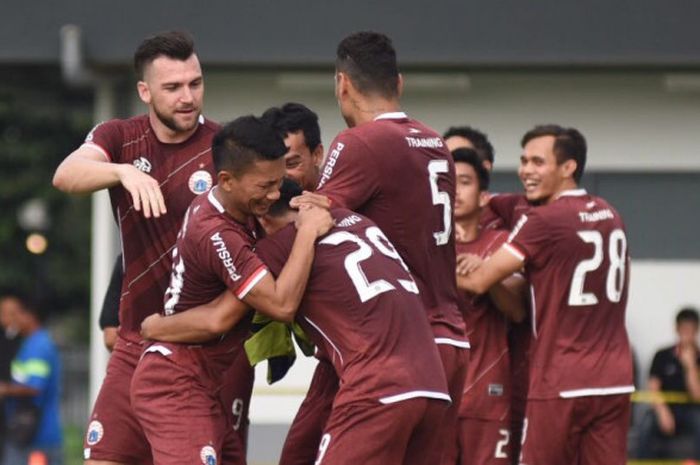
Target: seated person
x,y
675,371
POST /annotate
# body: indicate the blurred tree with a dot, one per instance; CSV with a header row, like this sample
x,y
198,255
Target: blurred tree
x,y
40,123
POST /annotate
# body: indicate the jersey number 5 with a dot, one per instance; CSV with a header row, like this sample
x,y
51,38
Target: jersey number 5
x,y
435,167
365,289
615,282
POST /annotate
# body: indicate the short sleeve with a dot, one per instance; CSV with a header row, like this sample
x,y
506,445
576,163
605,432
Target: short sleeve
x,y
32,367
348,176
235,262
529,238
502,206
106,138
657,366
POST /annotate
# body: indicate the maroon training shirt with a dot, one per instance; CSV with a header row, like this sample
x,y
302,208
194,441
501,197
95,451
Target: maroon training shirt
x,y
361,307
183,171
398,172
487,386
575,254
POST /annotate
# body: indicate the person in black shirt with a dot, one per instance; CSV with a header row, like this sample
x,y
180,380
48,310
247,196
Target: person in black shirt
x,y
676,370
9,344
109,315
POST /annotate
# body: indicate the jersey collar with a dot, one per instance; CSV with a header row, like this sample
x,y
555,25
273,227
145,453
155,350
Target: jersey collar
x,y
572,193
391,115
214,201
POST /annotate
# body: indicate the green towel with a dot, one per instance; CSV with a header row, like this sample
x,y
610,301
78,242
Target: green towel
x,y
272,341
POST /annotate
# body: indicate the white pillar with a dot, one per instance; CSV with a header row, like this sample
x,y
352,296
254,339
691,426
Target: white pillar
x,y
105,245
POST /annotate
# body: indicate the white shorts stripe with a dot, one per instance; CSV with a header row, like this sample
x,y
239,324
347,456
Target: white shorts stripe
x,y
606,391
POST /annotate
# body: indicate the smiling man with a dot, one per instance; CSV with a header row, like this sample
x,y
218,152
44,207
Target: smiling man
x,y
154,165
573,247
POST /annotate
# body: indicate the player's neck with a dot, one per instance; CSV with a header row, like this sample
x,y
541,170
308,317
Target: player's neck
x,y
236,214
567,185
167,135
467,228
368,108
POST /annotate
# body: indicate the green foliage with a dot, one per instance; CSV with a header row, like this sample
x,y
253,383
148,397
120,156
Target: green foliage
x,y
40,123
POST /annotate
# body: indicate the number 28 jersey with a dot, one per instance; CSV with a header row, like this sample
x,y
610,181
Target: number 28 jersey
x,y
398,172
575,254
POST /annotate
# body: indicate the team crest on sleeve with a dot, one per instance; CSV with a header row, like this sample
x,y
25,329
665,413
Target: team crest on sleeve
x,y
208,455
200,182
95,433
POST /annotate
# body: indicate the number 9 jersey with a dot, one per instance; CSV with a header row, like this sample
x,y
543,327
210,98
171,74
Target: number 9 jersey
x,y
575,255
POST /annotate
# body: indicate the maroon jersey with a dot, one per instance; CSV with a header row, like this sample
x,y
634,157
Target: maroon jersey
x,y
361,306
575,254
504,210
399,173
213,253
183,171
487,386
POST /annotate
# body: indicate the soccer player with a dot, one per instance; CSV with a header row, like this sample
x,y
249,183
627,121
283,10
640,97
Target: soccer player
x,y
363,172
361,306
574,250
174,388
466,137
484,415
154,166
299,127
302,136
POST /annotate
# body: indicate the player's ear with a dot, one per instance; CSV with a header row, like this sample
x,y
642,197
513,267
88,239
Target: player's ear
x,y
399,86
317,155
569,168
225,180
343,84
484,198
144,92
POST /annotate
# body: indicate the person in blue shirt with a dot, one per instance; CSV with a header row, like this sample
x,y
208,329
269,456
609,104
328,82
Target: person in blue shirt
x,y
34,392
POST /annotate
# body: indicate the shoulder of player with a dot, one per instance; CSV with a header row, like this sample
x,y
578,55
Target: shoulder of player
x,y
345,218
210,125
353,140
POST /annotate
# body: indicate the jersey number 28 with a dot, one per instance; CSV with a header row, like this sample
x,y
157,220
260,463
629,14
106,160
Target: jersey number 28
x,y
615,281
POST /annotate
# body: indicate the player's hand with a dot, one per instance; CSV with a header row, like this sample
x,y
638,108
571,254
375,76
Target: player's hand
x,y
145,191
309,198
313,218
468,263
149,326
667,424
687,356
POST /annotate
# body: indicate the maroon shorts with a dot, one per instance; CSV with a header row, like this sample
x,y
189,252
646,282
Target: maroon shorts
x,y
484,442
583,430
236,389
371,433
114,434
454,361
519,336
301,445
179,407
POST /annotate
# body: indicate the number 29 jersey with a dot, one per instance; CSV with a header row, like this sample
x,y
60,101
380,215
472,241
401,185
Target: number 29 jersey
x,y
576,259
398,172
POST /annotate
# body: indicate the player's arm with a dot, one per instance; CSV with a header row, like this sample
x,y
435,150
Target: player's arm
x,y
688,358
17,390
87,170
280,298
198,324
664,416
510,297
499,266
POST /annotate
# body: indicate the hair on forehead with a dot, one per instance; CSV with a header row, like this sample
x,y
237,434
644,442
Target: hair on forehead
x,y
293,117
177,45
472,158
244,141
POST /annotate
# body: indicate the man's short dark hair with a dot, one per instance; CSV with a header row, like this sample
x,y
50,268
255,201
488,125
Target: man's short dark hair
x,y
288,190
243,141
688,314
177,45
479,140
472,158
293,117
369,60
27,304
569,144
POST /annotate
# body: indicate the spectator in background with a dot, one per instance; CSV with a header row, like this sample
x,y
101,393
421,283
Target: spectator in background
x,y
9,343
33,395
674,370
109,315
